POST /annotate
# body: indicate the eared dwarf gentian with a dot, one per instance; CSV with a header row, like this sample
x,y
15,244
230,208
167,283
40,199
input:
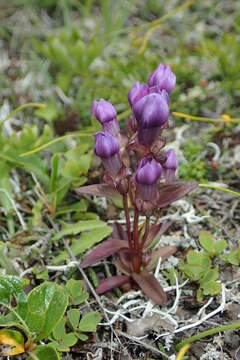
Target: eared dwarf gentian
x,y
151,113
107,148
147,174
137,92
142,192
170,165
106,114
163,77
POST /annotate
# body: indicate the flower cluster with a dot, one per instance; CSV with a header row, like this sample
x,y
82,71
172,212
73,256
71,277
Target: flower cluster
x,y
139,169
150,112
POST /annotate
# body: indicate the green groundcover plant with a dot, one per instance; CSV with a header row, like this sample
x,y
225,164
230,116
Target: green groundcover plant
x,y
47,319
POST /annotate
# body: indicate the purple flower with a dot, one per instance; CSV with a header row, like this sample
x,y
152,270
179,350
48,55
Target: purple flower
x,y
147,174
171,164
137,92
107,148
106,114
163,77
151,113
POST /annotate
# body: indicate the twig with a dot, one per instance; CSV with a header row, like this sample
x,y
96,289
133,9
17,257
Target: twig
x,y
136,340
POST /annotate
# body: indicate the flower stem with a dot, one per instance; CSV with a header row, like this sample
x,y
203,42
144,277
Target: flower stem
x,y
135,259
146,231
128,223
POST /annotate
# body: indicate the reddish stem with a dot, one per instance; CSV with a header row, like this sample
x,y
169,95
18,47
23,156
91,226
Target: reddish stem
x,y
128,223
147,225
135,260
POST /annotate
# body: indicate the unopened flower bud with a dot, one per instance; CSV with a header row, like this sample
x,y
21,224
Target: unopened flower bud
x,y
171,164
106,114
137,92
107,148
147,174
151,113
163,77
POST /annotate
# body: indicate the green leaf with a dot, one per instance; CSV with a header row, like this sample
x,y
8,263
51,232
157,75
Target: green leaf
x,y
49,112
74,287
69,340
210,275
45,307
73,317
5,187
214,248
74,229
199,295
77,168
80,206
59,330
220,246
63,340
5,261
86,241
89,322
45,352
206,241
198,264
233,257
81,336
211,287
10,286
54,172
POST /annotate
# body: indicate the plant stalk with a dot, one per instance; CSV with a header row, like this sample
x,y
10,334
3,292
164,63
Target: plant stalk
x,y
147,226
128,223
135,261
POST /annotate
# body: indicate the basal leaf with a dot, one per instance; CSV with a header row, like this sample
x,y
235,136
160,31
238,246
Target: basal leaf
x,y
85,242
107,248
111,283
76,228
151,287
164,252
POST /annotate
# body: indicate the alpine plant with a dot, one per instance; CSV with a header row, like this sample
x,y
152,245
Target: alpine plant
x,y
139,170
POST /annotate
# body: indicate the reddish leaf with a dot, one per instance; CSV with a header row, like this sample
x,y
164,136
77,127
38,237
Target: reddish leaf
x,y
121,267
151,287
98,190
111,283
168,193
164,252
156,230
107,248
